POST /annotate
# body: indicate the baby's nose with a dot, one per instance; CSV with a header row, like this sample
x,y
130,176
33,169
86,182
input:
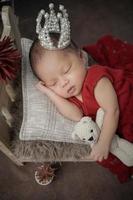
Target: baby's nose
x,y
64,82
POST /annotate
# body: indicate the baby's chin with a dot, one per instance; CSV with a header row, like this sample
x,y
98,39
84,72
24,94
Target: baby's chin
x,y
67,96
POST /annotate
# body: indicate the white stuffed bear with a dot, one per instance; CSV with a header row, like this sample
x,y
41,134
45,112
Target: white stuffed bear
x,y
88,131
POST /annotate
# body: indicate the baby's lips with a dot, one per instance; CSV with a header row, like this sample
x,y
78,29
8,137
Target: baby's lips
x,y
70,89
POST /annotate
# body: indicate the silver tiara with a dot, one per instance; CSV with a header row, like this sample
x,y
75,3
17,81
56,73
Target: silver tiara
x,y
53,24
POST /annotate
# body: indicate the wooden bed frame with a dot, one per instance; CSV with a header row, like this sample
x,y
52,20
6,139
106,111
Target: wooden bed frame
x,y
20,154
7,94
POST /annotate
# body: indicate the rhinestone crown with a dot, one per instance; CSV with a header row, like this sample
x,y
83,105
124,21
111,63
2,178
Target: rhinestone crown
x,y
53,24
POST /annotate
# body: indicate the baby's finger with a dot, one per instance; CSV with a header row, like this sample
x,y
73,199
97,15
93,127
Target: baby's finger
x,y
105,157
100,159
39,85
93,157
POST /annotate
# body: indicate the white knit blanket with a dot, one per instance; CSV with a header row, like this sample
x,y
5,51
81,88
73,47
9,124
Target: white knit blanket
x,y
41,120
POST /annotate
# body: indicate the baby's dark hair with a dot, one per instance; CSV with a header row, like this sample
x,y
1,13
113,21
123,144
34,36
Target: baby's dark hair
x,y
37,51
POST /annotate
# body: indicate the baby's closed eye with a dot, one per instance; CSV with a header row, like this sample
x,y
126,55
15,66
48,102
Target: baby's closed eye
x,y
67,69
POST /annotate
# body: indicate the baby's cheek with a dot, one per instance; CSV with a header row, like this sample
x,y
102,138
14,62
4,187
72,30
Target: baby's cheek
x,y
79,74
59,91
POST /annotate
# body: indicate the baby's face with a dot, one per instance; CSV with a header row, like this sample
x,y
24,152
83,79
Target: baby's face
x,y
63,72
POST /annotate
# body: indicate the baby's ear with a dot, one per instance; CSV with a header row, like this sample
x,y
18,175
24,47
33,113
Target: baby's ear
x,y
80,53
84,57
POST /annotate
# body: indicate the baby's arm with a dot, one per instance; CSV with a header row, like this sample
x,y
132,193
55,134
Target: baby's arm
x,y
107,99
66,108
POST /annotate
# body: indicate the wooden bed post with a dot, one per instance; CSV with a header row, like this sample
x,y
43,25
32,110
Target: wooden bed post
x,y
7,94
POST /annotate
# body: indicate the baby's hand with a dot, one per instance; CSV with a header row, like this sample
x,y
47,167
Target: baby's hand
x,y
99,152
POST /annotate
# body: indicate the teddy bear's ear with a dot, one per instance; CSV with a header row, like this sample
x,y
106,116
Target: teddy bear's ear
x,y
85,120
89,119
74,135
100,117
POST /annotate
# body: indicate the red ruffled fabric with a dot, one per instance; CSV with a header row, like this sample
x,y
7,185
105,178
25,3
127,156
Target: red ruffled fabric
x,y
10,60
115,53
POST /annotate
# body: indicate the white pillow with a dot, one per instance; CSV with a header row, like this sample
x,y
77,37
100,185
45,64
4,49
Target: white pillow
x,y
41,120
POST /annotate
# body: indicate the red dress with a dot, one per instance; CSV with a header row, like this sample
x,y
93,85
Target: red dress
x,y
118,56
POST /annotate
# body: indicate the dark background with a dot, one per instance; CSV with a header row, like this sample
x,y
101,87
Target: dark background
x,y
90,19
